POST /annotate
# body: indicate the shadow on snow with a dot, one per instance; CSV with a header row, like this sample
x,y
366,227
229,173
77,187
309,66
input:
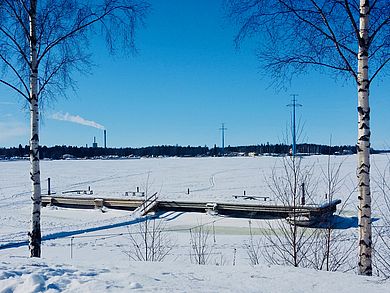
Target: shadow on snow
x,y
339,222
82,231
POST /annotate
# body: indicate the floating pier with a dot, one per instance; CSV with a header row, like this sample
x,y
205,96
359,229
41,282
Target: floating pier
x,y
313,214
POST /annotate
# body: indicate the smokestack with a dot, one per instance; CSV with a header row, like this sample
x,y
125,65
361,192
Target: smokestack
x,y
105,138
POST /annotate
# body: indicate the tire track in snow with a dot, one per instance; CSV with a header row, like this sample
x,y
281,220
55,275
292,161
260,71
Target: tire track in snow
x,y
212,180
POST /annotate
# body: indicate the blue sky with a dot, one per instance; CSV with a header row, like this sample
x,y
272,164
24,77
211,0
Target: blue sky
x,y
187,79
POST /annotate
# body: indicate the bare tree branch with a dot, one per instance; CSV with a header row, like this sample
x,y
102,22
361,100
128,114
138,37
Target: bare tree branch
x,y
378,70
19,18
15,42
15,89
13,69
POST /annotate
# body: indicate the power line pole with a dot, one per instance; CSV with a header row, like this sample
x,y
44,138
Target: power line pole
x,y
294,104
223,128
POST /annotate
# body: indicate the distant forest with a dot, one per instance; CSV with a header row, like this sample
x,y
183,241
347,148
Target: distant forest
x,y
60,152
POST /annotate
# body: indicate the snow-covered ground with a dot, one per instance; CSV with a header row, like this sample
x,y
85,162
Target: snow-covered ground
x,y
26,275
86,250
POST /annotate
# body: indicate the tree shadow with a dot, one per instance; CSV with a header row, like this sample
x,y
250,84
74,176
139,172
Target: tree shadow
x,y
76,232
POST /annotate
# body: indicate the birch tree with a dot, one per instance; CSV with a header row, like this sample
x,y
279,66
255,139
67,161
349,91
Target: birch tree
x,y
42,42
343,37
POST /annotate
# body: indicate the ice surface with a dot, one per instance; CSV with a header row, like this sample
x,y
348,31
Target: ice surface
x,y
85,250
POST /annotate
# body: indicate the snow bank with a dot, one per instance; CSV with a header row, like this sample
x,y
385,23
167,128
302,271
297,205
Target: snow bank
x,y
28,275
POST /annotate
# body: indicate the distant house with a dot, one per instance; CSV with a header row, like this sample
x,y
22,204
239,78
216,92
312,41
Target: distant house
x,y
68,157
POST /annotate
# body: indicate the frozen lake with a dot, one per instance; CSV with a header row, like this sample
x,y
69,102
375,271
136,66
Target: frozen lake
x,y
207,179
90,237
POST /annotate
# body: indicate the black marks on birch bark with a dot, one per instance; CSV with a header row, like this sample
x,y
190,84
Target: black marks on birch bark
x,y
362,242
368,269
366,5
365,137
365,113
35,241
35,155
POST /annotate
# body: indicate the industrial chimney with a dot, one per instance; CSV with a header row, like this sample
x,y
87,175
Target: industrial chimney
x,y
105,138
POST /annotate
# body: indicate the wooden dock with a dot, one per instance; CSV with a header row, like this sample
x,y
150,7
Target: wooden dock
x,y
254,211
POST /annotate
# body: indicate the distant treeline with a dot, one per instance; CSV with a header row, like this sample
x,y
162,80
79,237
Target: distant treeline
x,y
59,152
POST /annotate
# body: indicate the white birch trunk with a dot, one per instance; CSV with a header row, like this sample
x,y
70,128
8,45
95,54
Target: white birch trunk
x,y
363,145
35,233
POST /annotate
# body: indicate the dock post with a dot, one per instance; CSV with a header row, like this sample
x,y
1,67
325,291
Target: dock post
x,y
48,186
71,247
303,200
99,203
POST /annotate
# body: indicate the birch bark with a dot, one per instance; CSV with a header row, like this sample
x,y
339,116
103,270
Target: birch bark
x,y
363,144
35,233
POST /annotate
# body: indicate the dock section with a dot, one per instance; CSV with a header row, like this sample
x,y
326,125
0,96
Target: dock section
x,y
313,213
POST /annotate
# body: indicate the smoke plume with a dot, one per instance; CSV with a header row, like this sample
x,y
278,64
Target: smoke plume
x,y
76,119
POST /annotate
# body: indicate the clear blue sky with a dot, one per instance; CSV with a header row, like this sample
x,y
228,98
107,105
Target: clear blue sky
x,y
187,79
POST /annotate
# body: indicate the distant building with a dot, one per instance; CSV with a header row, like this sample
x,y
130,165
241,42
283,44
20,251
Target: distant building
x,y
68,157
